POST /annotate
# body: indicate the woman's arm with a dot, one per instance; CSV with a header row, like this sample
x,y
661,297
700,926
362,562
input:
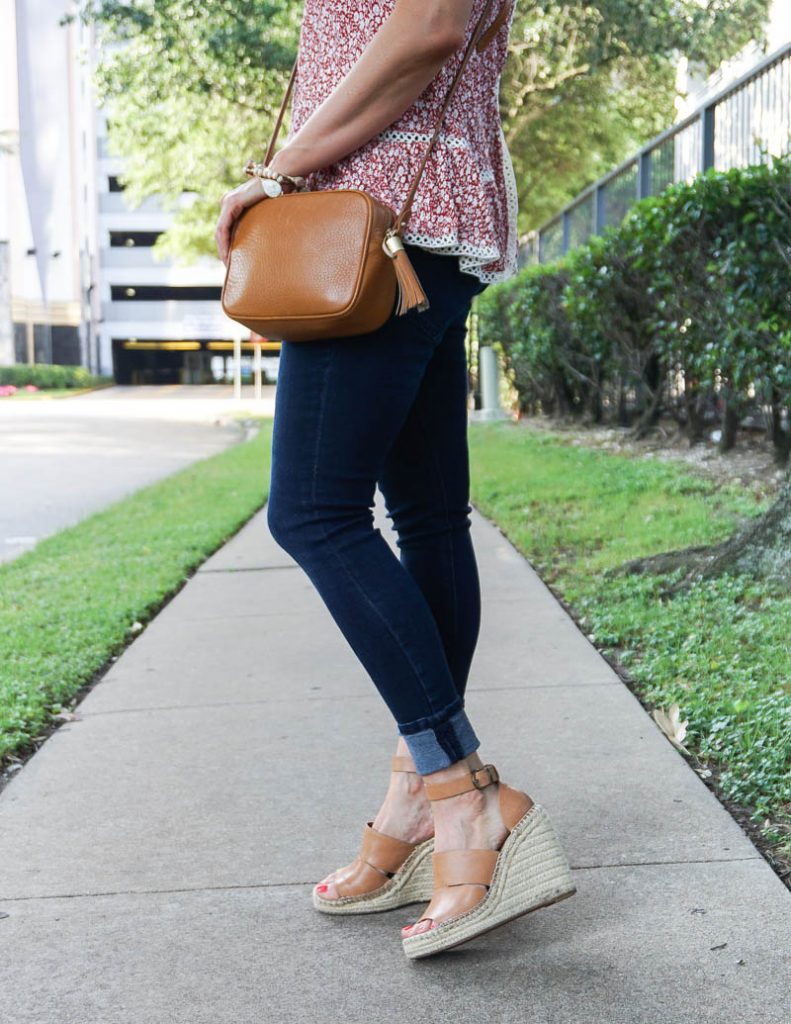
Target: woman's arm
x,y
395,67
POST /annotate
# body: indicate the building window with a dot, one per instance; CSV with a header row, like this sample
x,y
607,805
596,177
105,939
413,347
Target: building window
x,y
129,239
160,293
114,184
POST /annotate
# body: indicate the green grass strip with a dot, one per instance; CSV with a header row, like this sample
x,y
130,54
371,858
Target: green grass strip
x,y
719,649
70,603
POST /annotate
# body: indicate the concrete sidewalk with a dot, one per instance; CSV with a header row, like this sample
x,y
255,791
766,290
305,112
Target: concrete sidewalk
x,y
156,856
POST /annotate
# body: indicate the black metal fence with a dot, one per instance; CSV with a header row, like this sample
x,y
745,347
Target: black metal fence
x,y
746,123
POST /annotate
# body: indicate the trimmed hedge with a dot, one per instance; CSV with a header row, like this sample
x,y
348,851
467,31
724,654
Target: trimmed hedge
x,y
45,375
683,308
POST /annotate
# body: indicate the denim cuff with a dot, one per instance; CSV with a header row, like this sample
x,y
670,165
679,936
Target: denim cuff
x,y
441,744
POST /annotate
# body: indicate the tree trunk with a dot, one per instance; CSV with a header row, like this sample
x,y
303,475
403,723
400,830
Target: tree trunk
x,y
761,548
594,398
623,414
730,426
781,439
564,397
650,414
693,406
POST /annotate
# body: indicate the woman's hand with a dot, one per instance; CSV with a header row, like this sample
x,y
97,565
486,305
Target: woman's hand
x,y
233,204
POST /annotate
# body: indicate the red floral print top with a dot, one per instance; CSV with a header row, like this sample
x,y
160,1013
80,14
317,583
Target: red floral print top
x,y
466,202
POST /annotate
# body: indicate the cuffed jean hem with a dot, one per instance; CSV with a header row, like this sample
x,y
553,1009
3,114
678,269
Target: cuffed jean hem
x,y
442,744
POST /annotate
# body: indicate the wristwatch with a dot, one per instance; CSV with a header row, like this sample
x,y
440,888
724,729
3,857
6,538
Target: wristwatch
x,y
270,187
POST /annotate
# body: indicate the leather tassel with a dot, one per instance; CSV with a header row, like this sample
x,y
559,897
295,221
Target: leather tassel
x,y
410,291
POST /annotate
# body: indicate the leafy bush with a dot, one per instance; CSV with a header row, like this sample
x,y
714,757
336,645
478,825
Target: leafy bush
x,y
683,308
44,375
536,357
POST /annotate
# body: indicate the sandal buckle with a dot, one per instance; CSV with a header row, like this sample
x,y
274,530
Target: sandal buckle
x,y
492,773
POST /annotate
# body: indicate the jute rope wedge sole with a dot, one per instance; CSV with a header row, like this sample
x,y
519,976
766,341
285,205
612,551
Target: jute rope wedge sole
x,y
389,872
529,871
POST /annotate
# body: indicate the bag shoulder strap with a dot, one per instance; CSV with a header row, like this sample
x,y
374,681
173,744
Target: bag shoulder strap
x,y
478,41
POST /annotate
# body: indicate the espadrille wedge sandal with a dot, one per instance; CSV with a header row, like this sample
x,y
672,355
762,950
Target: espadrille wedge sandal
x,y
530,870
388,872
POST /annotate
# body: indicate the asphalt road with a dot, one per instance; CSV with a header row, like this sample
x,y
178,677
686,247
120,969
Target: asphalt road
x,y
63,459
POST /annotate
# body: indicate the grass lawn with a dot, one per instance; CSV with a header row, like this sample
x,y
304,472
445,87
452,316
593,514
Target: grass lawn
x,y
719,650
71,603
44,393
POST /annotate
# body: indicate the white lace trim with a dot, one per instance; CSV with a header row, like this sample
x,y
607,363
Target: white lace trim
x,y
512,203
472,258
454,141
511,254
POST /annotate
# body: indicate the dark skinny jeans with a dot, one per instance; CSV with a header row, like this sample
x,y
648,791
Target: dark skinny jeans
x,y
389,408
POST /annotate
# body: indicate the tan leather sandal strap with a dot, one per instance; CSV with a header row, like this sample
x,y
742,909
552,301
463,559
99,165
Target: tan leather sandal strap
x,y
514,805
362,878
480,778
400,763
464,867
383,852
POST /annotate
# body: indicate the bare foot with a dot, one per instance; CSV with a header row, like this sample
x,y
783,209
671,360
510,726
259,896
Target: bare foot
x,y
469,821
405,814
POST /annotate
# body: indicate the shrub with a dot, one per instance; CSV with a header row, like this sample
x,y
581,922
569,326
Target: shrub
x,y
44,375
683,308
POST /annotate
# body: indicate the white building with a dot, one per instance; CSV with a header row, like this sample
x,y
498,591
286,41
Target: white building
x,y
81,285
47,190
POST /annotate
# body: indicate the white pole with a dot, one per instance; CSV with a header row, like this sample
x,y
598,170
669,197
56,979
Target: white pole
x,y
490,383
257,372
237,368
6,325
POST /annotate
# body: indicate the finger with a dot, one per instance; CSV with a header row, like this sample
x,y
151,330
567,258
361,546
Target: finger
x,y
223,236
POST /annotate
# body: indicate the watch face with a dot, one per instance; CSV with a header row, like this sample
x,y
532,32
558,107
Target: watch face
x,y
272,188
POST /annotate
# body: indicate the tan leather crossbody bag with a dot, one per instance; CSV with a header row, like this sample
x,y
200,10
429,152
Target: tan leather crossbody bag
x,y
328,264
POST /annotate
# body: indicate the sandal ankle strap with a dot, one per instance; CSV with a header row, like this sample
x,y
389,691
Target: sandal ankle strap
x,y
400,763
441,790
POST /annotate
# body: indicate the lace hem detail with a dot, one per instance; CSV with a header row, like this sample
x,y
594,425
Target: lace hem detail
x,y
396,135
472,259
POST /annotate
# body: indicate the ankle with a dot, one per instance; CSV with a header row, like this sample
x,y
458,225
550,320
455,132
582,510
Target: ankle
x,y
469,820
409,784
457,770
471,806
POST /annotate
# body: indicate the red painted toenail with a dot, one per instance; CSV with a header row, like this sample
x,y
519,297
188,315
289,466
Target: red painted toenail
x,y
322,888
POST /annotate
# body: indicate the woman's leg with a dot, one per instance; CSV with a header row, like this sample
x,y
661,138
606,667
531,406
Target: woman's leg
x,y
340,406
426,486
425,482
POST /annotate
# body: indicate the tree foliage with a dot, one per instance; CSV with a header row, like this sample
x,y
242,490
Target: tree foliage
x,y
587,83
192,90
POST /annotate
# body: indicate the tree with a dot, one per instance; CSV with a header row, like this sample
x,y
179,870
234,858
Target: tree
x,y
586,84
193,90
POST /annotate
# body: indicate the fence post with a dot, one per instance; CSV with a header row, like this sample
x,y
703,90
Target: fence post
x,y
707,126
600,210
644,175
